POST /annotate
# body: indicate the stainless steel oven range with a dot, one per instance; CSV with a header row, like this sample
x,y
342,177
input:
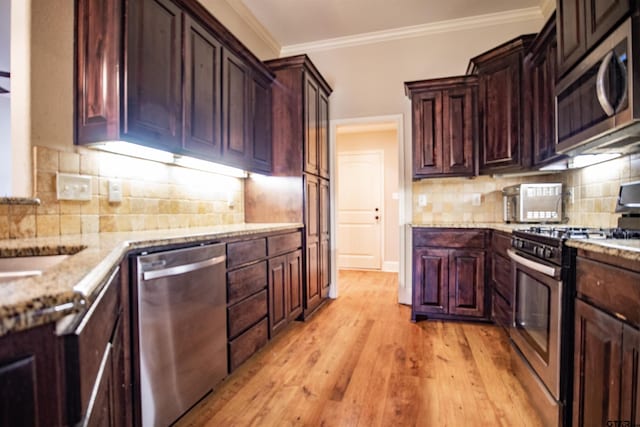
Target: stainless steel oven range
x,y
542,327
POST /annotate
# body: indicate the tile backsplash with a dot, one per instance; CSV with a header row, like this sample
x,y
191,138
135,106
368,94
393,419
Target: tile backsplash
x,y
595,189
155,196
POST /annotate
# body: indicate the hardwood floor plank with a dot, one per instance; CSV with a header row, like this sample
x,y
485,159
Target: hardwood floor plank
x,y
359,361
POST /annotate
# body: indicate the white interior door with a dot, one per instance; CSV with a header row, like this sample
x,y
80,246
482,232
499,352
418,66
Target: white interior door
x,y
360,203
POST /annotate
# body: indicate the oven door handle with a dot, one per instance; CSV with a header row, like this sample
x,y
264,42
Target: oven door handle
x,y
536,266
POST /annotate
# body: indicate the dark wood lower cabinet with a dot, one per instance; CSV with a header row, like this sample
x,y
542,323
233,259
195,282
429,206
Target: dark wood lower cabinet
x,y
30,379
606,389
448,274
285,290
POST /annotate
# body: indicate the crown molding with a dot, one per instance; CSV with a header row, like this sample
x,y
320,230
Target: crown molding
x,y
451,25
547,7
249,18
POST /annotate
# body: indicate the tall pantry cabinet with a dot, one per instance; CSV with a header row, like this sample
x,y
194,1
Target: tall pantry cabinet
x,y
300,169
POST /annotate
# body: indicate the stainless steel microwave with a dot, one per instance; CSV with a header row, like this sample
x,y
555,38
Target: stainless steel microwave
x,y
598,102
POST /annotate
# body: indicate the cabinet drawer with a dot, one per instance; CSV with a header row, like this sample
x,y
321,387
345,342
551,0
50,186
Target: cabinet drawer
x,y
239,253
612,288
247,312
248,343
472,239
500,242
246,281
85,347
284,243
501,276
501,311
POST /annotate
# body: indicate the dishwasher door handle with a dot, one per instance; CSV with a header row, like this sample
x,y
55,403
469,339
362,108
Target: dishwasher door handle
x,y
182,269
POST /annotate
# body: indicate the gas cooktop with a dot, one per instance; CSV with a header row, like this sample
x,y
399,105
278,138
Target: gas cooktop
x,y
562,233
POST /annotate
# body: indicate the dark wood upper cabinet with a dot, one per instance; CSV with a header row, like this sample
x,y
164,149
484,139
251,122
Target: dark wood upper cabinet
x,y
260,126
236,101
583,23
444,123
166,74
202,91
539,98
311,126
323,135
500,73
154,73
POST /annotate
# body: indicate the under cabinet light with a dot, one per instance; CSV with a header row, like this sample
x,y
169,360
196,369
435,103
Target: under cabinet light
x,y
580,161
135,150
203,165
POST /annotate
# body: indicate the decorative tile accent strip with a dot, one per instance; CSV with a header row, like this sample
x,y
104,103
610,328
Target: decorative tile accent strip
x,y
19,201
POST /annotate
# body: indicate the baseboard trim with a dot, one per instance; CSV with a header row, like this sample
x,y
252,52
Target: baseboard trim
x,y
391,266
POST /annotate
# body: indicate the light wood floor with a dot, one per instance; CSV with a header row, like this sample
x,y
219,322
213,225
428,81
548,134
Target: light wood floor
x,y
361,362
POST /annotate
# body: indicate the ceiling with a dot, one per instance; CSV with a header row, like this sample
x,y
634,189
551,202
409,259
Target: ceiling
x,y
292,22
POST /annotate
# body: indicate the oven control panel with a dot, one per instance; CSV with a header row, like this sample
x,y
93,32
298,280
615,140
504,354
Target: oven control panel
x,y
537,250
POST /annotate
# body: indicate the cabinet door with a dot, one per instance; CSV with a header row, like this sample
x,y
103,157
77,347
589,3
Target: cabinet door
x,y
430,278
325,249
18,392
541,129
458,131
294,284
278,293
571,33
630,396
323,135
261,127
602,16
427,134
235,110
500,87
98,48
597,365
202,97
466,283
154,74
102,406
312,227
312,94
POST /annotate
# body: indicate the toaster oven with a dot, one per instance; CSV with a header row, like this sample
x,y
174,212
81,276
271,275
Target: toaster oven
x,y
532,203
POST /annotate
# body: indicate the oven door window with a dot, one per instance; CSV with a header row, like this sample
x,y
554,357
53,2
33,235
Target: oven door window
x,y
533,305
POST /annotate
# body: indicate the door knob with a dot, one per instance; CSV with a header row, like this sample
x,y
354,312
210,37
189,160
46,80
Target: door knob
x,y
377,217
377,209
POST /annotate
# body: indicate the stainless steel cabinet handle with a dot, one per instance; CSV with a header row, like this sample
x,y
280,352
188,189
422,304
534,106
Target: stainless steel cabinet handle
x,y
601,91
536,266
181,269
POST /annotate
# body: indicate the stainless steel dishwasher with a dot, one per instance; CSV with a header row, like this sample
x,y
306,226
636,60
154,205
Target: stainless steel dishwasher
x,y
182,329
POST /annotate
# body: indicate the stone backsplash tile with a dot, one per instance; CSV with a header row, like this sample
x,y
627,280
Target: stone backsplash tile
x,y
155,196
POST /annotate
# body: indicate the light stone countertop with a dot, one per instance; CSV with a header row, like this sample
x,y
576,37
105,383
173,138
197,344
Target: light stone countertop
x,y
499,226
628,249
71,285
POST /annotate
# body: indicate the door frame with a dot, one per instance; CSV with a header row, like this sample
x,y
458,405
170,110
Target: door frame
x,y
404,186
382,201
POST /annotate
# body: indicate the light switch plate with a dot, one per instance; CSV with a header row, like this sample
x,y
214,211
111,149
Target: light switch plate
x,y
73,186
115,191
422,200
476,199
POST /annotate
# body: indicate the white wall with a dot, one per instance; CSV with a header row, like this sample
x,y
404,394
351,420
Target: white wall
x,y
5,101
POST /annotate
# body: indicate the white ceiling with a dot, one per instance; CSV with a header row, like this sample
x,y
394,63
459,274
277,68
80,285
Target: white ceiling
x,y
292,22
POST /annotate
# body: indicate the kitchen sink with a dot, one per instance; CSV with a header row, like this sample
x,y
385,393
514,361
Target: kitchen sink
x,y
13,268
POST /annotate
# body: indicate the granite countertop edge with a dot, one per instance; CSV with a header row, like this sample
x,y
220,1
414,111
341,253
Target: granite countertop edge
x,y
71,286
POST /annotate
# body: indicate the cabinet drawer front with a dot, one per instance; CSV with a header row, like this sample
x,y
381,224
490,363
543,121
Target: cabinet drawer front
x,y
247,312
246,281
500,242
614,289
284,243
248,343
85,347
239,253
472,239
501,276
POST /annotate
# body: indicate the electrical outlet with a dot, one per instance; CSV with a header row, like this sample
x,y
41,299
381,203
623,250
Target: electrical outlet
x,y
572,193
422,200
476,199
